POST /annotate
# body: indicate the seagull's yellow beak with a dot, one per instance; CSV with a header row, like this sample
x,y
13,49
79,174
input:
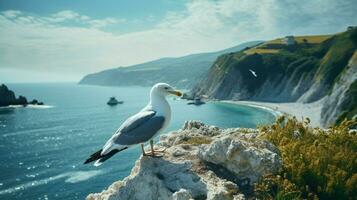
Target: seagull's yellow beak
x,y
175,92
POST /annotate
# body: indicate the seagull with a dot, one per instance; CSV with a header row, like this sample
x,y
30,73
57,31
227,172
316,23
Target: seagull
x,y
141,127
253,72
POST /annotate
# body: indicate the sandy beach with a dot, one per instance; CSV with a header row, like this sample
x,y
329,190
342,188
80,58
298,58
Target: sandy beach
x,y
299,110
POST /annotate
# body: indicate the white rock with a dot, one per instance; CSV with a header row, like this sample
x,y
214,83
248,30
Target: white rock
x,y
246,159
182,194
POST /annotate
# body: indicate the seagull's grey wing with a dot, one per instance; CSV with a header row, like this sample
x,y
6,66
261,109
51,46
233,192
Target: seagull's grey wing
x,y
135,121
140,128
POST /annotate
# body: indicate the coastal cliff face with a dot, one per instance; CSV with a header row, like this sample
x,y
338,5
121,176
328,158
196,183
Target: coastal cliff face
x,y
313,68
183,72
342,101
200,162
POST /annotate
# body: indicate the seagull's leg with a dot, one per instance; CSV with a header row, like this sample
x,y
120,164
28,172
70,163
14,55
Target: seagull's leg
x,y
152,148
143,150
153,152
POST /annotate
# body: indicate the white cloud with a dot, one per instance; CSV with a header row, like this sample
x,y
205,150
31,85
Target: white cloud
x,y
104,22
66,15
70,16
11,13
48,43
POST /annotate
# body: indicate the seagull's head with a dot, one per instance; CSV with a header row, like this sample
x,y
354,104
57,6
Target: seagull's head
x,y
164,89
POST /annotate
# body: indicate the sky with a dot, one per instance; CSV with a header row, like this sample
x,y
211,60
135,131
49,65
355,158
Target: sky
x,y
57,41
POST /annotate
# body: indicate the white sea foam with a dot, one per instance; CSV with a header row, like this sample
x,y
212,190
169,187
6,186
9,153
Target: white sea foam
x,y
276,113
79,176
72,177
39,106
13,106
30,106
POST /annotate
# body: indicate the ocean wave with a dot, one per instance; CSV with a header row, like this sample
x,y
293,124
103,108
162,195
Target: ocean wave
x,y
71,177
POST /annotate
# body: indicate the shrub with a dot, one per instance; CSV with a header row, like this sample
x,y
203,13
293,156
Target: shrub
x,y
317,163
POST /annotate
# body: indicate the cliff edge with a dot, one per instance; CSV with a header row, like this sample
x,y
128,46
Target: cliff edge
x,y
200,162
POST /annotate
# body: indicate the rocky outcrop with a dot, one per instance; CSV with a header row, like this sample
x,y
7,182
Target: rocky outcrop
x,y
200,162
7,97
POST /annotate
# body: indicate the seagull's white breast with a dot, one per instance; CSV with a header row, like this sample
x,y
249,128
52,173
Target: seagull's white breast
x,y
160,105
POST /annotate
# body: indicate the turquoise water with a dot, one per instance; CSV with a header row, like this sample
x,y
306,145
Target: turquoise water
x,y
42,149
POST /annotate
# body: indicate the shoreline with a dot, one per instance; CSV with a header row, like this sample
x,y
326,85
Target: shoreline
x,y
299,110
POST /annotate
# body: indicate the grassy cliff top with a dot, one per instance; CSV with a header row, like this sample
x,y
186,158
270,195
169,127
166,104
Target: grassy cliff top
x,y
315,39
274,46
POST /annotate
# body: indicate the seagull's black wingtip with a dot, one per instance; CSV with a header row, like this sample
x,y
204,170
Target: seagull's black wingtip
x,y
95,156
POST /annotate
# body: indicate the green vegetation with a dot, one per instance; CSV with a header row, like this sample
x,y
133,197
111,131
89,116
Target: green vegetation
x,y
315,39
197,140
274,46
317,164
261,51
337,56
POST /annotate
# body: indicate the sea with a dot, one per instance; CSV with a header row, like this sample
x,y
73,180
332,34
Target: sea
x,y
42,148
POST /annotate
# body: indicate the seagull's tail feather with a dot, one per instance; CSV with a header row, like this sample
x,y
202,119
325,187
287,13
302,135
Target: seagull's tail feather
x,y
101,158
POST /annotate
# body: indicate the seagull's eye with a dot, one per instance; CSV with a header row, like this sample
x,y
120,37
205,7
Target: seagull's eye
x,y
166,88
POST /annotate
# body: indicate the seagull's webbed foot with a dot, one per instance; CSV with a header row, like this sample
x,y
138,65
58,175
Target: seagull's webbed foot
x,y
156,153
160,150
153,152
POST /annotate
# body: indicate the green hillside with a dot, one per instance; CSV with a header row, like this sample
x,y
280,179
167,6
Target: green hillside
x,y
183,72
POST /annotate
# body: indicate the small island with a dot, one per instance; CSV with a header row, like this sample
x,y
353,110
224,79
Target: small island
x,y
8,97
113,101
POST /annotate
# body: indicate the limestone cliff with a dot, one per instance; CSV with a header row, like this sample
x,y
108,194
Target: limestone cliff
x,y
309,70
342,101
200,162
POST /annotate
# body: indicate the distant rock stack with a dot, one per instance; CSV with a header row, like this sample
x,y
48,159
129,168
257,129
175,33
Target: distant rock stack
x,y
7,97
